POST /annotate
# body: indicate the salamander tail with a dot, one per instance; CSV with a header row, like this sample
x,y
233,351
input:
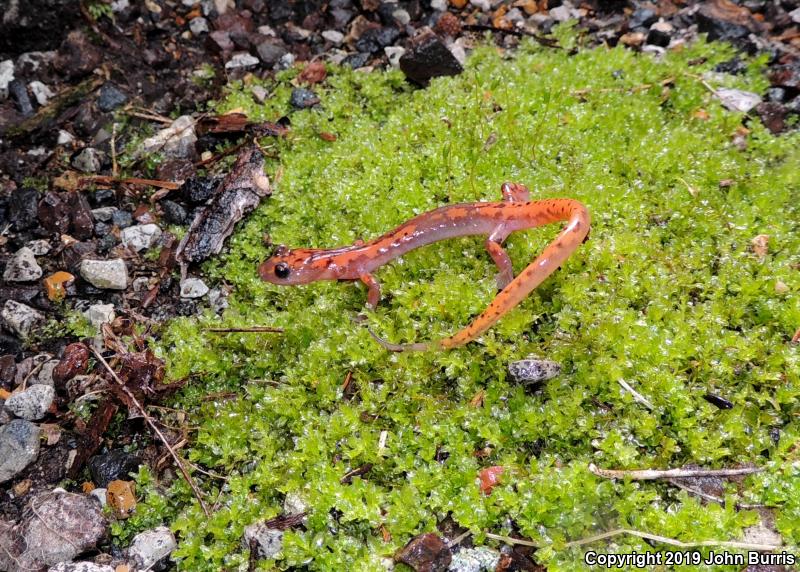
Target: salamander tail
x,y
415,347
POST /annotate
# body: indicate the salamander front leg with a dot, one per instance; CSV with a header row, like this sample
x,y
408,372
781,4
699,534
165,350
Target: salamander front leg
x,y
515,193
373,290
500,257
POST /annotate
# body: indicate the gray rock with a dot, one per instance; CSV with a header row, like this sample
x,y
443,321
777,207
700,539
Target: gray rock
x,y
737,100
19,318
141,284
260,94
140,237
480,559
106,274
482,5
393,54
117,464
193,288
286,61
22,267
176,141
110,97
32,403
532,371
45,374
65,137
19,446
6,77
302,98
80,567
122,218
401,16
294,504
55,527
103,214
101,494
120,5
795,15
439,5
242,60
99,314
41,92
561,13
150,546
198,26
268,541
333,36
270,53
218,300
89,160
39,247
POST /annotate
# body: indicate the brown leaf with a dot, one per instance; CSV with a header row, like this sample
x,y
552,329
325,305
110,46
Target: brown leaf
x,y
75,361
425,553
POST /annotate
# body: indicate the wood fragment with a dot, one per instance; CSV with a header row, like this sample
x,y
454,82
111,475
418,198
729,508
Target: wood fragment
x,y
248,330
654,474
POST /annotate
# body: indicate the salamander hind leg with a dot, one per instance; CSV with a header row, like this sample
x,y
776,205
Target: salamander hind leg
x,y
373,290
515,193
501,259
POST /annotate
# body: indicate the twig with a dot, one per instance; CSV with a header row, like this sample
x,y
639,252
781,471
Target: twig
x,y
457,540
541,40
106,180
149,116
250,330
653,474
710,497
218,156
155,428
114,166
638,397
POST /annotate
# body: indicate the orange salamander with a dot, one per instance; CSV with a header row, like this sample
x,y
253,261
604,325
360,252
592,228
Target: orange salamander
x,y
496,219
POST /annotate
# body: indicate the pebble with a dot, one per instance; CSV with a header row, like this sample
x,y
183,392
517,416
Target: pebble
x,y
20,318
174,213
121,497
64,137
151,546
795,15
111,466
393,54
642,18
241,61
19,445
268,541
103,214
89,160
402,17
333,36
23,208
561,13
40,92
660,34
439,5
737,100
193,288
110,97
99,314
294,504
198,26
302,98
270,53
532,371
6,77
105,274
22,267
482,5
39,247
101,494
141,284
176,141
32,403
45,375
140,237
218,300
480,559
121,218
429,58
80,566
286,61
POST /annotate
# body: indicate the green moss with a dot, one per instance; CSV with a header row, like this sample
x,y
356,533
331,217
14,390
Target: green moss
x,y
666,295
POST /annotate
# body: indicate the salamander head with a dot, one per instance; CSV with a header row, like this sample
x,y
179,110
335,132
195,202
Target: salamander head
x,y
299,266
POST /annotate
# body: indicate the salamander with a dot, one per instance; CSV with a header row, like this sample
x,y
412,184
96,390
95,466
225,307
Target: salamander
x,y
495,219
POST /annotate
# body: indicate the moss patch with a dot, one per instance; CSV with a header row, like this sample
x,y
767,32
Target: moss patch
x,y
667,296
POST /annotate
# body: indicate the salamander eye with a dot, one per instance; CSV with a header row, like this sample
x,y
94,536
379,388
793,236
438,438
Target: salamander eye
x,y
282,270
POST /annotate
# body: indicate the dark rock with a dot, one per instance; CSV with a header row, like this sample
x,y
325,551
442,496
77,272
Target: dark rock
x,y
106,243
35,25
8,369
734,67
80,214
101,229
173,212
280,11
73,254
19,95
270,53
219,41
723,20
773,115
341,17
10,344
110,97
425,553
176,170
357,60
303,98
102,197
198,190
787,75
428,58
122,218
642,18
718,401
658,37
116,464
776,94
22,208
53,213
77,56
19,446
374,40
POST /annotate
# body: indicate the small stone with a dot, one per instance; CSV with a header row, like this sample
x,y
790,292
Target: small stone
x,y
532,371
294,504
393,54
439,5
55,285
193,288
286,61
39,247
333,36
268,542
260,94
198,26
151,546
425,552
22,267
99,314
402,17
561,13
660,34
89,160
482,5
175,141
40,92
218,300
633,39
112,466
121,497
173,212
110,97
122,219
105,274
45,375
270,53
141,284
642,18
19,446
64,137
20,318
33,403
81,566
737,99
429,58
480,559
19,95
241,60
375,39
302,98
6,76
23,208
267,31
141,236
103,214
101,494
